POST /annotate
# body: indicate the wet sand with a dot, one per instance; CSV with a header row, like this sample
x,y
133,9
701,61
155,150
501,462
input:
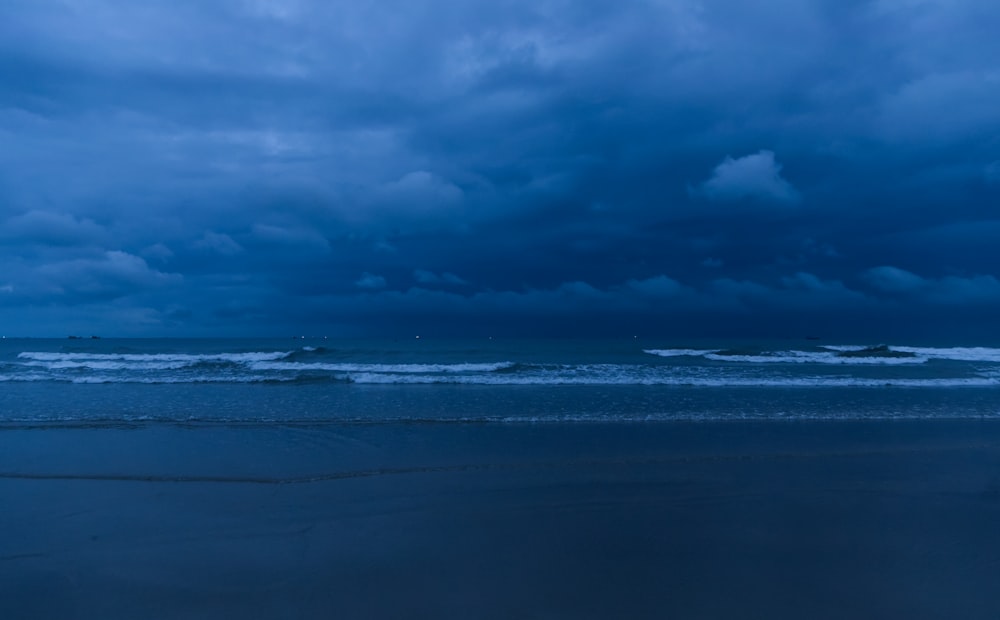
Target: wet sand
x,y
870,519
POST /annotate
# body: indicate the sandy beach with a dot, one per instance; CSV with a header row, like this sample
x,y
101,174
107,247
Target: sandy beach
x,y
689,520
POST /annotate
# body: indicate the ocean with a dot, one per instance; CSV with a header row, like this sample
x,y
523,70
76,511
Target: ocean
x,y
495,479
93,382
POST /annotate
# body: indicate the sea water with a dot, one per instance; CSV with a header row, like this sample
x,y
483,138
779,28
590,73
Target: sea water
x,y
95,382
496,479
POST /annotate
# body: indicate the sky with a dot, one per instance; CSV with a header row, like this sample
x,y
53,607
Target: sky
x,y
671,168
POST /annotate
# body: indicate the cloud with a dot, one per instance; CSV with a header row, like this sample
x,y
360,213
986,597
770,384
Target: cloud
x,y
888,279
753,177
110,275
738,290
992,173
796,292
979,289
413,196
657,296
301,240
658,287
809,282
55,229
281,10
817,289
817,248
518,159
158,251
370,281
949,290
219,243
943,106
428,277
968,290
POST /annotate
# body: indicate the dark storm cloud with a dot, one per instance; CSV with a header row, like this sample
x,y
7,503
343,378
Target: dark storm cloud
x,y
430,278
756,177
238,166
947,290
45,228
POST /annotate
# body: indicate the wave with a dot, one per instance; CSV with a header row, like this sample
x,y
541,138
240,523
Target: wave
x,y
861,366
846,347
811,357
680,352
186,358
572,377
384,368
716,382
961,354
841,354
109,365
859,356
958,354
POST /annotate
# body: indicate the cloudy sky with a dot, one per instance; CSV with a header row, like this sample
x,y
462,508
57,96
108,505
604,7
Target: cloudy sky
x,y
518,167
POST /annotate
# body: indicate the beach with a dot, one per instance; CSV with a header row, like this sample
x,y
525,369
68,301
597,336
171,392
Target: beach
x,y
517,310
765,519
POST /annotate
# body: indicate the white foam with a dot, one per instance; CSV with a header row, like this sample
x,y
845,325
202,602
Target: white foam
x,y
680,352
858,366
846,348
383,368
962,354
816,357
667,380
239,358
794,357
580,377
24,377
110,365
99,379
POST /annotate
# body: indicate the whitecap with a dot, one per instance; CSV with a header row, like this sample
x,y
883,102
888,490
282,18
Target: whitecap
x,y
239,358
816,357
680,352
383,368
963,354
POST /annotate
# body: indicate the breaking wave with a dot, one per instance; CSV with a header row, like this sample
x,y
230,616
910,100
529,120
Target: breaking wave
x,y
840,355
383,368
821,366
180,358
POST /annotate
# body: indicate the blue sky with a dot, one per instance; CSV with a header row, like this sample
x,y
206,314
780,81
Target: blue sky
x,y
244,167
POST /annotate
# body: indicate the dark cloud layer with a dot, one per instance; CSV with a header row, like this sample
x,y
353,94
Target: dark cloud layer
x,y
677,168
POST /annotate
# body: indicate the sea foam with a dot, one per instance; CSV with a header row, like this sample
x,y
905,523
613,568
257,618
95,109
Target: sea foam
x,y
839,356
255,356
